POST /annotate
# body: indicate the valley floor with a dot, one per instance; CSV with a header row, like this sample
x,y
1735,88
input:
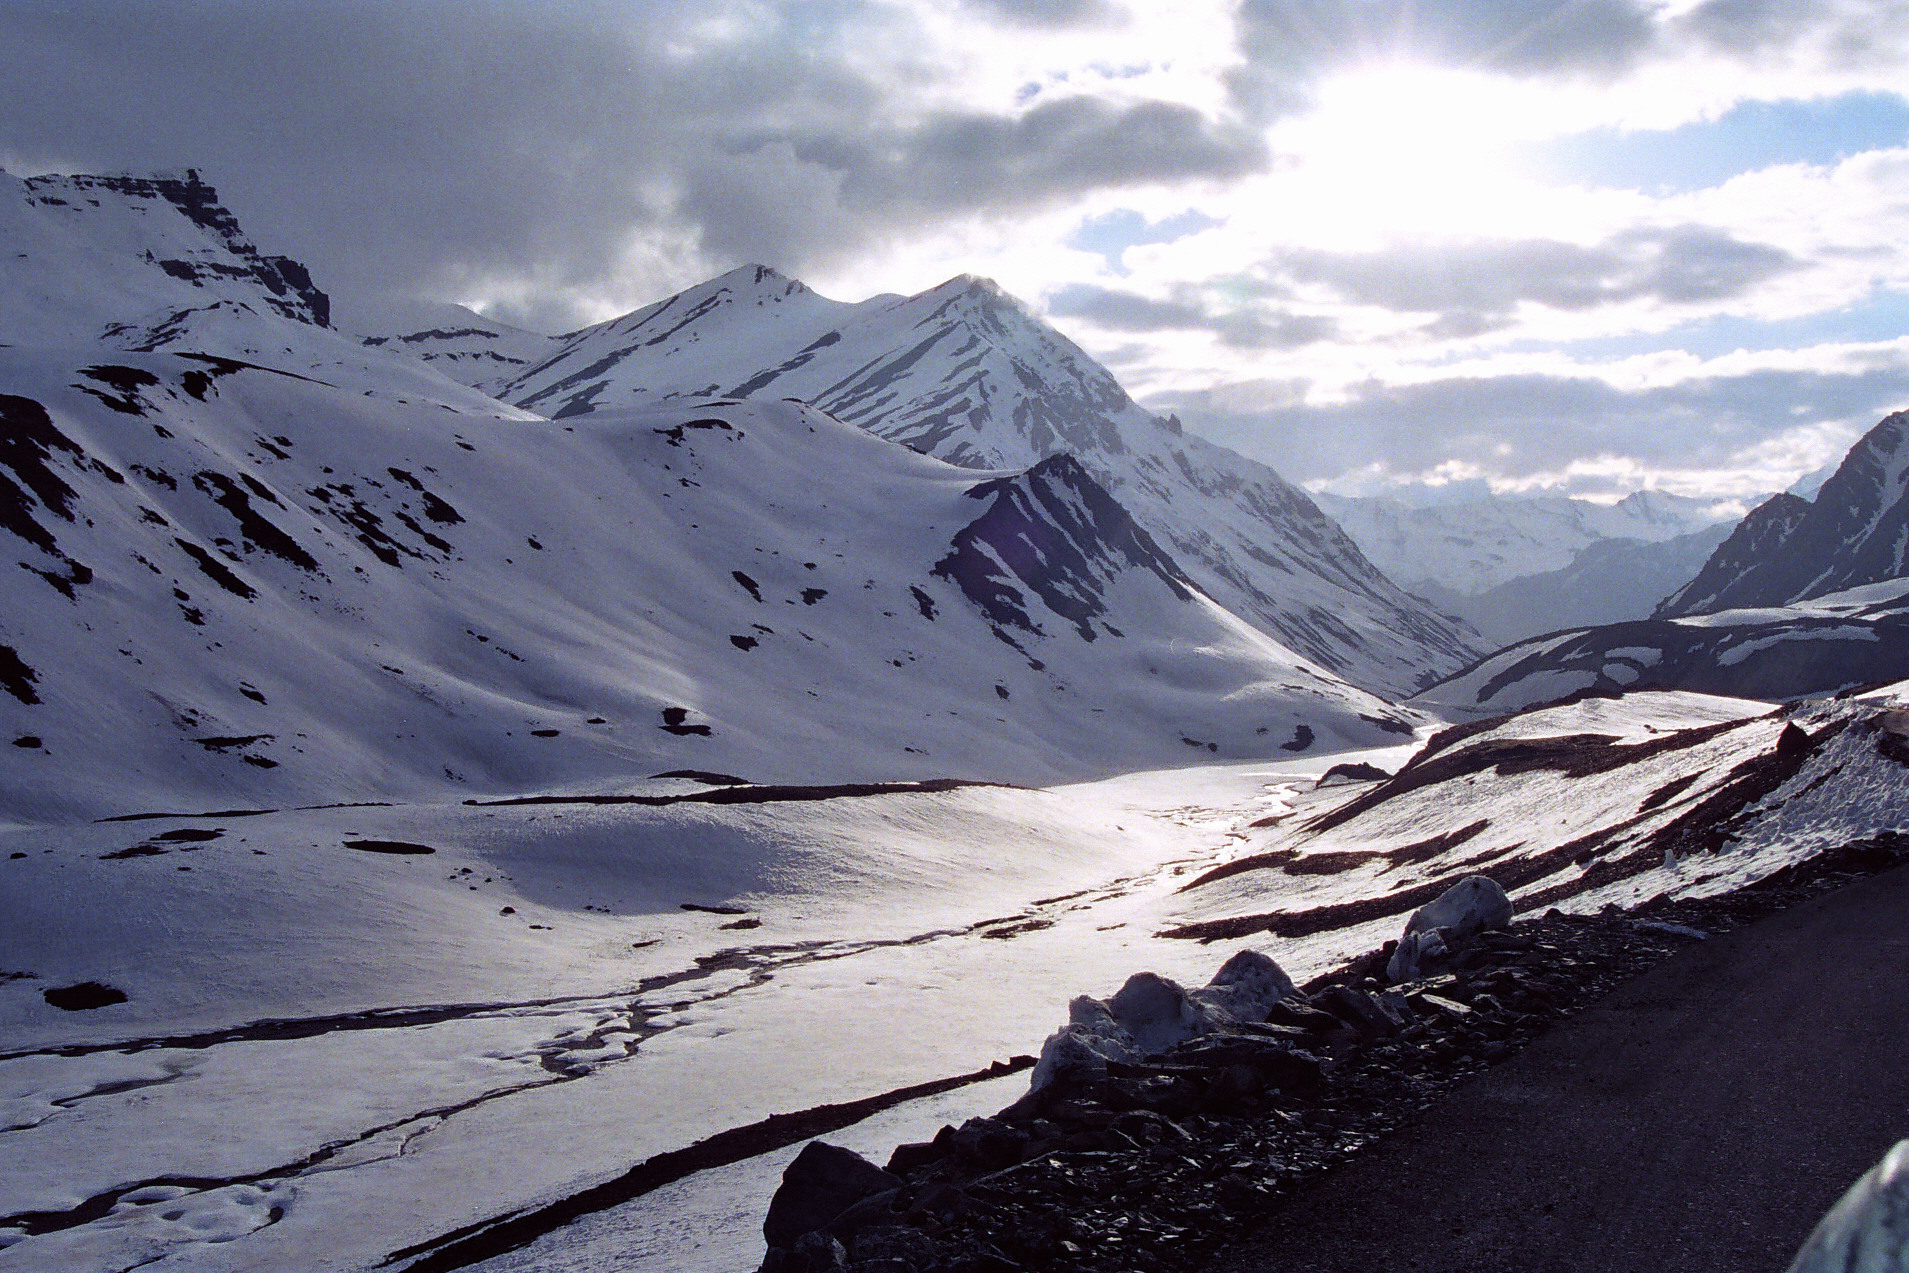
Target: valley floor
x,y
328,1054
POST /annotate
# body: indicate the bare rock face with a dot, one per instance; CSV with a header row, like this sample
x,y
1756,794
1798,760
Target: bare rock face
x,y
1867,1231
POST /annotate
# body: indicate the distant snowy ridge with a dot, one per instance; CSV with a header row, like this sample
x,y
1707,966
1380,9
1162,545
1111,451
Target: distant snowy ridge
x,y
469,347
963,372
1845,640
1789,549
1471,547
1608,581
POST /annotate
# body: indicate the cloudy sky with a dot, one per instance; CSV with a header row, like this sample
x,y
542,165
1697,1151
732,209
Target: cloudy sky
x,y
1589,245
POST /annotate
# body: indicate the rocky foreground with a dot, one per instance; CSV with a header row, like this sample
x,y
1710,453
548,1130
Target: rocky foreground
x,y
1155,1163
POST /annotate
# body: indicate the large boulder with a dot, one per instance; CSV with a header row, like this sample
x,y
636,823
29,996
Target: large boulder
x,y
1867,1231
1472,905
823,1182
1245,988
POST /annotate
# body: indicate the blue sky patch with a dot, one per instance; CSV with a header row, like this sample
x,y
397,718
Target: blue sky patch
x,y
1746,138
1112,233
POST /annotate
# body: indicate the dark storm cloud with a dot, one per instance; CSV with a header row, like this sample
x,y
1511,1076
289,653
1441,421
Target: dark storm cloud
x,y
1847,32
1050,13
1474,287
1287,43
414,145
1068,146
1527,425
1117,310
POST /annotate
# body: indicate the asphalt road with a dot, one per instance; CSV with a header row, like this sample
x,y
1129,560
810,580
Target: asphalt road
x,y
1699,1120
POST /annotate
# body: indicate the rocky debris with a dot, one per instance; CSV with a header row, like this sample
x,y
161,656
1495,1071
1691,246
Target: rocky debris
x,y
1155,1162
822,1183
1867,1231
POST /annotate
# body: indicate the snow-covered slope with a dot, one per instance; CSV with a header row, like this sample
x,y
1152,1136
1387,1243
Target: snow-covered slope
x,y
1577,806
1855,531
87,254
255,587
964,373
469,347
1851,638
1470,547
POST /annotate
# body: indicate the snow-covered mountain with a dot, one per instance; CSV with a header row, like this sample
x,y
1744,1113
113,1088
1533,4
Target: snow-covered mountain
x,y
1789,549
1472,546
265,564
470,348
963,372
1802,598
85,253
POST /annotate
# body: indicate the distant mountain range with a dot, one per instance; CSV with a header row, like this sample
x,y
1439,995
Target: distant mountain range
x,y
1515,567
1802,598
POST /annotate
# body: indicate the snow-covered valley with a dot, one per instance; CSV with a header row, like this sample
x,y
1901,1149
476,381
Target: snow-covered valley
x,y
336,1046
333,1053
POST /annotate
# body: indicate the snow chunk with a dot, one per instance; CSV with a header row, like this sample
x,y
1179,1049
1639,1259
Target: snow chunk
x,y
1245,988
1867,1231
1151,1013
1472,905
1156,1013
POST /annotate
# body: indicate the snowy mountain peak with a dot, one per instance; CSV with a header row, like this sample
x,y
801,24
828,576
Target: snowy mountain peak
x,y
965,373
758,282
1790,549
982,293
